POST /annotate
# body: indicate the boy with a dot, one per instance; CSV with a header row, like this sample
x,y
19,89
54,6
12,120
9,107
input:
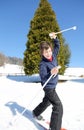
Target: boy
x,y
48,66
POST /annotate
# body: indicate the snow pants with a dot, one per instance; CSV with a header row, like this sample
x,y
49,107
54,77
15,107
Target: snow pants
x,y
51,97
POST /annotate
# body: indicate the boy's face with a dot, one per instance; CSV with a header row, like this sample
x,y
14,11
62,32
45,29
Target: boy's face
x,y
47,53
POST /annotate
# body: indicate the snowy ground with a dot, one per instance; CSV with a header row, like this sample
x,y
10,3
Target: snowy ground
x,y
17,95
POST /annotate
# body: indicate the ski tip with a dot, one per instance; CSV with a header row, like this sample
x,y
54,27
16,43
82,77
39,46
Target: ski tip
x,y
47,122
63,129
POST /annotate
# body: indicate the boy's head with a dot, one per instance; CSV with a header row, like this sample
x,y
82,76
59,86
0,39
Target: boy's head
x,y
46,49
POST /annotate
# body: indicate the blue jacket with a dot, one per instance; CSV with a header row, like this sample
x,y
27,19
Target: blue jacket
x,y
46,66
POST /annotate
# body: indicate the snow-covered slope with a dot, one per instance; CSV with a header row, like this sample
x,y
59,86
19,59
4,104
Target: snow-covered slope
x,y
16,69
74,72
11,69
16,96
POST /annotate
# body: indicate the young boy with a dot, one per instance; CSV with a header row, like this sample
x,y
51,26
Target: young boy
x,y
48,66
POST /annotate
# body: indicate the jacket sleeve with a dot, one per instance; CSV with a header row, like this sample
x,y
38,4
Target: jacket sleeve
x,y
44,73
56,47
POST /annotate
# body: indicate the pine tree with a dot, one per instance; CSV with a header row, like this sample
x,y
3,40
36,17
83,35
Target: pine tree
x,y
41,25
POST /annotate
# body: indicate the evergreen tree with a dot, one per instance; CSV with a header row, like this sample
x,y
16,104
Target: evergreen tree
x,y
41,25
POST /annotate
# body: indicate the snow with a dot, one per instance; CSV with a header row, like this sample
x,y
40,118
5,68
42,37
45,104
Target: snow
x,y
19,95
11,69
74,71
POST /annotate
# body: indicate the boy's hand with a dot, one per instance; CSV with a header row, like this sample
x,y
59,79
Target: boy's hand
x,y
52,35
54,71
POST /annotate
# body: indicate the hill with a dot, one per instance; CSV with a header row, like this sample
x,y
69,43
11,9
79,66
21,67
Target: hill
x,y
10,60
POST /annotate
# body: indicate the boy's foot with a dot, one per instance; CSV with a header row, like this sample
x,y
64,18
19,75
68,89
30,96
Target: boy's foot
x,y
38,117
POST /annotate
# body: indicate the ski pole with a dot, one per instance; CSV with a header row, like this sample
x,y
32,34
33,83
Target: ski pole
x,y
14,120
40,89
72,28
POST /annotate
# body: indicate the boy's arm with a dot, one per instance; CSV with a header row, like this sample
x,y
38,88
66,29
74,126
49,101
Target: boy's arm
x,y
56,43
56,46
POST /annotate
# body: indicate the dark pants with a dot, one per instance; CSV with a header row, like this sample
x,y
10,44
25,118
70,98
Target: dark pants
x,y
51,97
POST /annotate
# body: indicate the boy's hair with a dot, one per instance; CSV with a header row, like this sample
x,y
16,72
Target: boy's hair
x,y
45,45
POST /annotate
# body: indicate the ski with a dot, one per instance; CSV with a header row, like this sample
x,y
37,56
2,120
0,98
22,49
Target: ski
x,y
43,123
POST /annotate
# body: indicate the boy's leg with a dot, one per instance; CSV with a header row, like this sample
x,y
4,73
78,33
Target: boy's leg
x,y
42,106
57,110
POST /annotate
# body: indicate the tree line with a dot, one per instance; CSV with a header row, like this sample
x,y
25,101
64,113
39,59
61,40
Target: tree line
x,y
11,60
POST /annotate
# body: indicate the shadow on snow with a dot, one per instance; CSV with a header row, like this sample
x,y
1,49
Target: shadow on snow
x,y
14,107
25,78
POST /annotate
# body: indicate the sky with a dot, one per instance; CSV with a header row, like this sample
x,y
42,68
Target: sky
x,y
15,17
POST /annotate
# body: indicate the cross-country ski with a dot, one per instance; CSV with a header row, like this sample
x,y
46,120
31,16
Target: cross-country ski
x,y
43,123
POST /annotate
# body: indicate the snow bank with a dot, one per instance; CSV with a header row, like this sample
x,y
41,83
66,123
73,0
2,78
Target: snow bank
x,y
11,69
74,72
